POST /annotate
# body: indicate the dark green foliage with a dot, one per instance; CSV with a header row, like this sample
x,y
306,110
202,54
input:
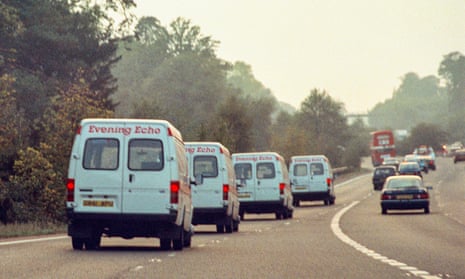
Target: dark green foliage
x,y
417,100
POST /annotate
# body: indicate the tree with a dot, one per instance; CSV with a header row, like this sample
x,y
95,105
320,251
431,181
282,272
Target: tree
x,y
426,134
232,124
323,119
416,100
452,70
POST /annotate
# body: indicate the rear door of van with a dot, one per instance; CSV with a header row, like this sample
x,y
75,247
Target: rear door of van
x,y
300,177
98,167
207,162
268,179
147,172
245,176
318,175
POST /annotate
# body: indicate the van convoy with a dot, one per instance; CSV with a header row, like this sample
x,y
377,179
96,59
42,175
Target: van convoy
x,y
264,184
312,179
214,197
138,178
128,178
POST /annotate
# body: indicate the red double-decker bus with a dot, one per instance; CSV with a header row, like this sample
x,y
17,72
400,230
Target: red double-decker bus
x,y
382,146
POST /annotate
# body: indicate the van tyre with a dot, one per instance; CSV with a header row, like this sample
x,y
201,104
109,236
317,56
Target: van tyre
x,y
178,243
92,243
235,226
78,243
165,244
220,228
229,227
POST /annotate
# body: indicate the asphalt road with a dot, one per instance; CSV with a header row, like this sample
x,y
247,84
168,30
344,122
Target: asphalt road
x,y
350,239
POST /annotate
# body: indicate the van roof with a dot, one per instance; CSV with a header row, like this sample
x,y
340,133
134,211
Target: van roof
x,y
222,148
172,130
309,157
259,154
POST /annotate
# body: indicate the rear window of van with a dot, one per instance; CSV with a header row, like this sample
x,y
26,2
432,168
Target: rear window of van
x,y
243,171
317,169
265,170
206,165
101,154
145,154
300,170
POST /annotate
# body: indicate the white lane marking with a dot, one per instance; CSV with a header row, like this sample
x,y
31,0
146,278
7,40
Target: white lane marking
x,y
344,238
351,180
5,243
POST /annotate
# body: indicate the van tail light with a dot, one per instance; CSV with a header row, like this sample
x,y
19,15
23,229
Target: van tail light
x,y
174,192
281,188
386,197
225,192
70,190
328,181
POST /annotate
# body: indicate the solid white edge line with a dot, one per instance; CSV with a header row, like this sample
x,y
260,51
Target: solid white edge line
x,y
5,243
374,255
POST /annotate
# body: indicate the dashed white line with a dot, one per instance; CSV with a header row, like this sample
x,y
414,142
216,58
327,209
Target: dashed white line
x,y
376,256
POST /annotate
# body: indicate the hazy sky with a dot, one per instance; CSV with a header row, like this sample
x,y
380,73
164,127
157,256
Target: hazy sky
x,y
356,50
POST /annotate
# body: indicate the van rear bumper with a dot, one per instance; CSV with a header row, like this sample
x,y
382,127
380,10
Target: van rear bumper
x,y
217,215
261,206
311,196
83,225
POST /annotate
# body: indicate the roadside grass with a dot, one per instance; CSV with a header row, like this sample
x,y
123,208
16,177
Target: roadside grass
x,y
30,229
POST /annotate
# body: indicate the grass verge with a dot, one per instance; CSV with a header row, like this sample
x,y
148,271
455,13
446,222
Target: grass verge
x,y
30,229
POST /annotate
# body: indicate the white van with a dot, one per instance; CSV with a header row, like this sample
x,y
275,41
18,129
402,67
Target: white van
x,y
214,197
264,184
311,179
128,178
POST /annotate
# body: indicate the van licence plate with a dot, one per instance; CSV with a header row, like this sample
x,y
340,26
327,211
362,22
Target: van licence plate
x,y
300,188
243,195
98,203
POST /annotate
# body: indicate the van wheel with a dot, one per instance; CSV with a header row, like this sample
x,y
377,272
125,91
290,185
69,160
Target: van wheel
x,y
92,243
178,243
278,215
78,243
296,203
229,227
236,226
326,202
241,215
188,237
285,213
220,228
165,244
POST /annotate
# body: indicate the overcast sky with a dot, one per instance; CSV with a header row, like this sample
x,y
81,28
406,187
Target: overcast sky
x,y
356,50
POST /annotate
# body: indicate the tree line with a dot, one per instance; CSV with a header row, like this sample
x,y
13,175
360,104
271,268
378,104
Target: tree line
x,y
61,61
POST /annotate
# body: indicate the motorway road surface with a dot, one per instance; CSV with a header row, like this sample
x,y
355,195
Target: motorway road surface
x,y
350,239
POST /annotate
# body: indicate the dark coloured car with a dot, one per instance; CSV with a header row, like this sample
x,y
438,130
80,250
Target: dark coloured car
x,y
380,174
404,192
459,155
410,168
